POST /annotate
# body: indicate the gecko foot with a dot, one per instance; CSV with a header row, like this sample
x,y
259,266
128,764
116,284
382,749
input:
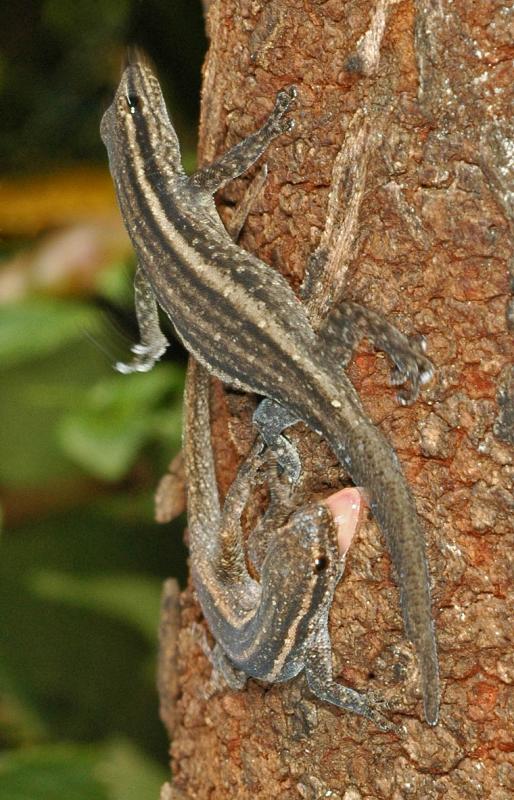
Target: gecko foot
x,y
411,367
368,705
378,707
283,103
318,671
347,324
145,357
224,674
270,419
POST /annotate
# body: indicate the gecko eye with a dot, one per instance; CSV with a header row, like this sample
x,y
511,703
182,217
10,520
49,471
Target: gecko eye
x,y
321,563
133,102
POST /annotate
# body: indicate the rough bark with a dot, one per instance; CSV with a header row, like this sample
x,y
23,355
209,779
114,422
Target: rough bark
x,y
409,101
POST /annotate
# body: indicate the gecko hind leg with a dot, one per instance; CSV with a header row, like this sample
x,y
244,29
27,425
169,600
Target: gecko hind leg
x,y
350,322
270,419
224,674
153,342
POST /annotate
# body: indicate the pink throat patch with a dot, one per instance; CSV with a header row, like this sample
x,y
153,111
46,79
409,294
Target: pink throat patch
x,y
346,506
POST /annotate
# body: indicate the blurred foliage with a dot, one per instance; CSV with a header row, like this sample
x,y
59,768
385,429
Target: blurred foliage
x,y
82,448
61,59
114,771
82,562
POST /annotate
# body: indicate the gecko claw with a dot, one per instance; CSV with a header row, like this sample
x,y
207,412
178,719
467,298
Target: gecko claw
x,y
411,367
285,97
283,103
145,357
378,706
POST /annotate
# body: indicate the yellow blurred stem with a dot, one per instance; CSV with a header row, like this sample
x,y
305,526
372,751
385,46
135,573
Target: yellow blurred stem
x,y
33,204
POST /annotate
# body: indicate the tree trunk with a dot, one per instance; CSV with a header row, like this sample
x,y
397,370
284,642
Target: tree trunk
x,y
407,102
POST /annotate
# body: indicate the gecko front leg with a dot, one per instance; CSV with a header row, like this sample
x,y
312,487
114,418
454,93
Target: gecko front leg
x,y
270,419
318,671
241,157
153,343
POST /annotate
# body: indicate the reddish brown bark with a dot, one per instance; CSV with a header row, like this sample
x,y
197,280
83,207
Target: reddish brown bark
x,y
417,95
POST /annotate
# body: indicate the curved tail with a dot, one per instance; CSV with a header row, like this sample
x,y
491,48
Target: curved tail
x,y
369,458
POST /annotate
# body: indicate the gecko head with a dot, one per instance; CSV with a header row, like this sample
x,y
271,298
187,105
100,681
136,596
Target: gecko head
x,y
137,121
306,555
304,562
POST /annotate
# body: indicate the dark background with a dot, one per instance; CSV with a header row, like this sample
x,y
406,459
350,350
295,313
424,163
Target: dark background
x,y
81,448
61,59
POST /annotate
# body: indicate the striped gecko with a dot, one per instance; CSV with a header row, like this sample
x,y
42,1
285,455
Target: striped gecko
x,y
274,628
241,320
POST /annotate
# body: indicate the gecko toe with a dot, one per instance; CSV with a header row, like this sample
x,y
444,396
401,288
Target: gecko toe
x,y
145,357
412,368
285,99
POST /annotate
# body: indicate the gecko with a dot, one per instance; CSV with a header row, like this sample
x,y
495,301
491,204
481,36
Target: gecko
x,y
277,627
240,319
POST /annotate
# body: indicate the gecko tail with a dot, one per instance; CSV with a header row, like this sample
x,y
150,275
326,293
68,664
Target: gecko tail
x,y
372,463
430,681
424,641
407,548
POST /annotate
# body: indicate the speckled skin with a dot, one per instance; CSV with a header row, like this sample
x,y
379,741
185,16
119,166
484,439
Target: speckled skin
x,y
242,322
275,628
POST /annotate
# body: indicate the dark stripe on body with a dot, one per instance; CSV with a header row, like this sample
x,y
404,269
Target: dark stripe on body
x,y
257,645
179,287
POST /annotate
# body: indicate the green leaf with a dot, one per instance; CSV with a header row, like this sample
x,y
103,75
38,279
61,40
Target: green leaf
x,y
33,397
130,598
20,722
116,417
83,665
37,327
115,771
129,774
51,773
